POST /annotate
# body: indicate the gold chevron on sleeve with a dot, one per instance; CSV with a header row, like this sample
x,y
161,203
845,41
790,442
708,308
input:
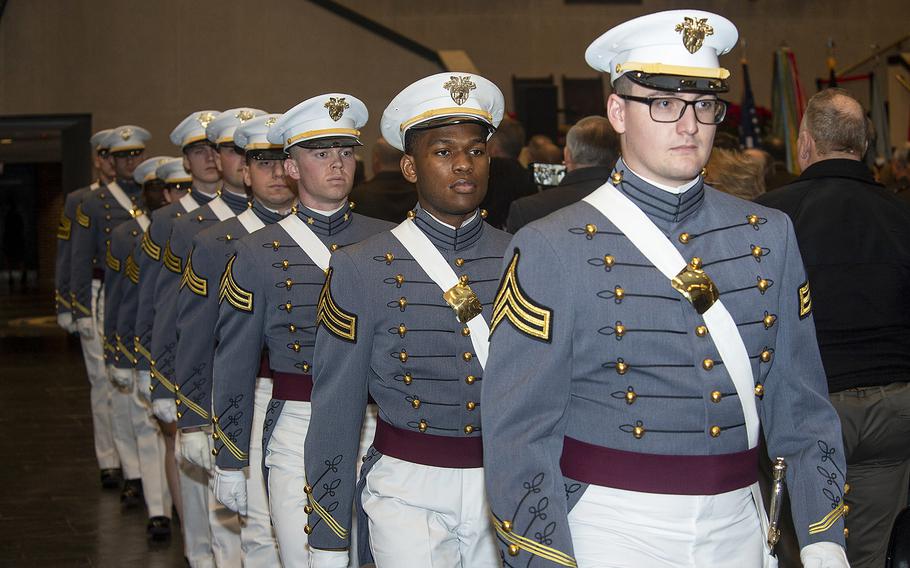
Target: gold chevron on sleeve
x,y
149,246
110,261
232,292
338,322
64,228
196,284
828,520
171,261
82,218
330,521
132,269
517,543
511,303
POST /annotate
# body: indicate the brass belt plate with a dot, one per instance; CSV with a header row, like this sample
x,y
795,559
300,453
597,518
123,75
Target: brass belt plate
x,y
464,301
697,287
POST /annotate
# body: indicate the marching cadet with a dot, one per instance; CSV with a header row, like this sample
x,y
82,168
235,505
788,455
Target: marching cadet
x,y
97,215
197,314
105,450
387,330
268,297
121,289
642,336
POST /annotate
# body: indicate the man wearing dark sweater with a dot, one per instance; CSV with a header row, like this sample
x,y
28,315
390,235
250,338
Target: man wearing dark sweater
x,y
387,195
855,241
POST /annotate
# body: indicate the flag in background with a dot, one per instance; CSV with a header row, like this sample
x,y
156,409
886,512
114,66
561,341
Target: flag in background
x,y
749,131
787,104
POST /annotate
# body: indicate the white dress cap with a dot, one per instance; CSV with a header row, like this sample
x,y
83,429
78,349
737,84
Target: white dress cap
x,y
192,128
329,120
126,138
99,139
146,171
221,130
172,171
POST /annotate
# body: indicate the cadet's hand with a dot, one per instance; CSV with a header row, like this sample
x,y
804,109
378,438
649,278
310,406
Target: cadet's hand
x,y
229,487
143,384
65,320
328,558
824,555
165,409
194,447
86,328
122,378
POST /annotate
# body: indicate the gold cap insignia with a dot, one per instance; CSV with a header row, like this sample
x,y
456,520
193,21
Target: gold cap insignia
x,y
271,120
459,88
126,133
205,118
694,31
243,115
336,107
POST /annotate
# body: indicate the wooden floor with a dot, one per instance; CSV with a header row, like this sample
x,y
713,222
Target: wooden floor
x,y
53,511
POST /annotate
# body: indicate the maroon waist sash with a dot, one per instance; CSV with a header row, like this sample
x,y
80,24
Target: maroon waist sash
x,y
657,473
291,386
427,449
264,369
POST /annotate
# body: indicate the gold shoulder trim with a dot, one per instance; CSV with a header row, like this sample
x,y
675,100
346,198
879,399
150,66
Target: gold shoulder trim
x,y
171,261
512,303
517,543
326,516
132,269
196,284
110,261
828,520
64,228
232,292
82,218
338,322
149,246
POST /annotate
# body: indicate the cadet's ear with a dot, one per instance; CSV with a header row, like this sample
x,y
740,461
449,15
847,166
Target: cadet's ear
x,y
247,178
186,164
291,169
408,169
218,162
616,113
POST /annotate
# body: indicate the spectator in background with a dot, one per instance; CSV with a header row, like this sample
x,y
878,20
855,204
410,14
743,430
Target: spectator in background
x,y
540,150
509,179
387,195
900,172
734,172
854,236
779,175
592,149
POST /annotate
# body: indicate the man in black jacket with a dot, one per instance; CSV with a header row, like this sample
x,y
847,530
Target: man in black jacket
x,y
387,195
592,148
855,241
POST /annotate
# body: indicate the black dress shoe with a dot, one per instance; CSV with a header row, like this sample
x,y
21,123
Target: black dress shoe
x,y
159,529
111,478
131,496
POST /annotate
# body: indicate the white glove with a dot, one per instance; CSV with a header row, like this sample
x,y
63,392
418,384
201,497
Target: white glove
x,y
122,378
824,555
143,382
86,328
229,487
65,320
165,409
329,558
194,447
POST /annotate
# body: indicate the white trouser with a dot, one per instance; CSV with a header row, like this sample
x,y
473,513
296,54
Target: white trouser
x,y
260,548
424,516
150,443
101,387
613,528
122,425
284,459
225,527
197,535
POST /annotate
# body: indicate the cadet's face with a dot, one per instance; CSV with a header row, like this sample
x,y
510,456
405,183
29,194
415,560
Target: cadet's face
x,y
451,168
230,164
324,176
269,183
199,160
105,165
153,194
669,153
124,165
174,192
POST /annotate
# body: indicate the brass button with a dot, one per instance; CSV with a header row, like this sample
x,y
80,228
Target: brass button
x,y
470,379
621,367
215,435
471,405
701,331
107,205
590,230
288,306
412,214
307,509
757,252
285,264
846,509
638,431
351,205
415,403
847,488
134,232
214,451
296,347
107,217
179,415
464,280
306,367
631,396
467,356
228,237
759,390
763,285
507,526
107,229
422,426
307,489
514,550
715,431
846,532
199,218
620,329
459,262
468,429
465,331
403,356
177,388
716,396
684,238
402,330
616,178
275,245
765,356
753,220
307,529
707,364
288,283
619,293
407,379
609,260
292,328
333,247
769,320
695,263
177,402
399,280
402,303
483,213
389,257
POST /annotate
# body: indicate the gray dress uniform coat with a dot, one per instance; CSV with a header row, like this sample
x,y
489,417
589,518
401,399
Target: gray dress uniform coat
x,y
97,215
164,327
591,344
121,297
197,314
151,260
269,294
386,331
62,297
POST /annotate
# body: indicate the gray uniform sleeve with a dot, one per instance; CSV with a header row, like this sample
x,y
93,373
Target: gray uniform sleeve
x,y
62,300
344,341
150,262
527,381
113,270
84,238
799,421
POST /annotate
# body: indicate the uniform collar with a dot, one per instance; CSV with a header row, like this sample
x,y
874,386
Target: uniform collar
x,y
445,236
200,197
322,224
129,186
237,203
265,214
656,201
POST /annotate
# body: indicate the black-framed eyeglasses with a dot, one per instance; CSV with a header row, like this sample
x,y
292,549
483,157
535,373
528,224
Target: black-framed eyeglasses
x,y
671,109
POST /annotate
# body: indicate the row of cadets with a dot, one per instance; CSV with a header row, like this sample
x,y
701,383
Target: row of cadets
x,y
270,291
